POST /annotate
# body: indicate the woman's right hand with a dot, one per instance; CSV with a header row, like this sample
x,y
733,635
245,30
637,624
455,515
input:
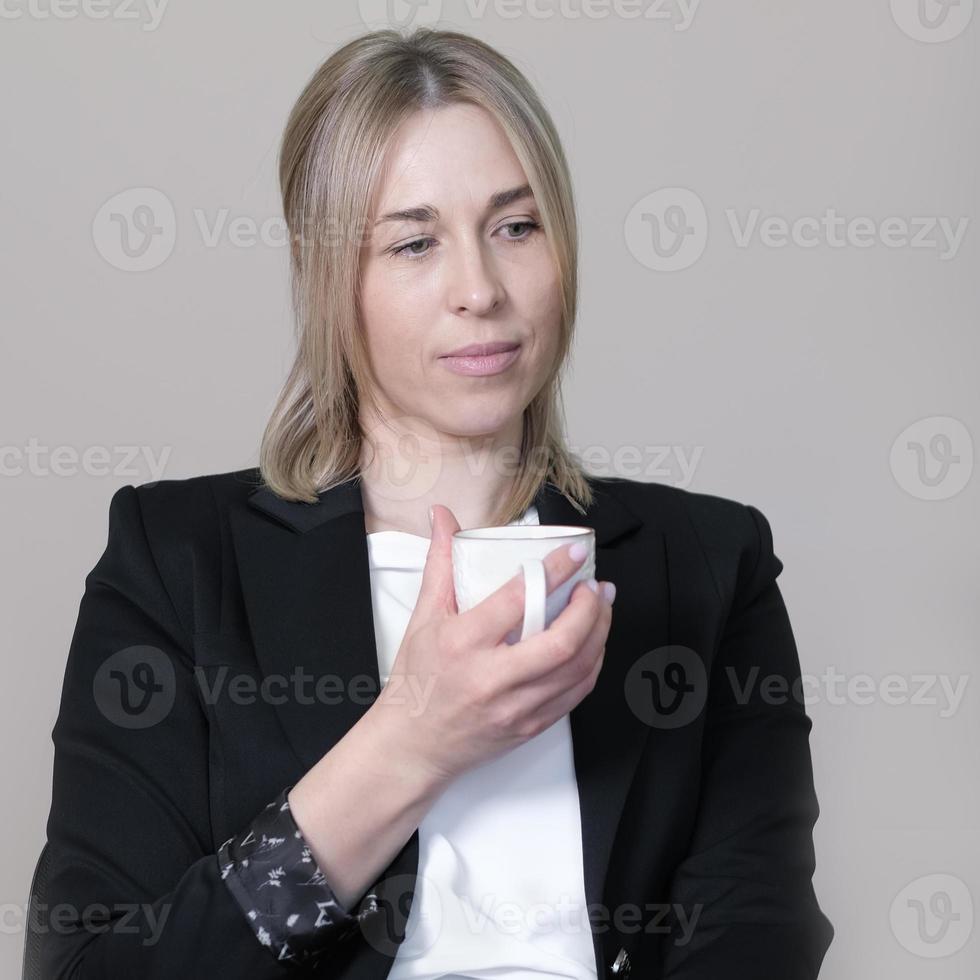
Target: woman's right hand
x,y
458,695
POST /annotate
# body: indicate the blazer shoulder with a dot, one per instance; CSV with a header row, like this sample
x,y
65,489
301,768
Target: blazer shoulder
x,y
174,507
185,518
734,537
724,521
174,533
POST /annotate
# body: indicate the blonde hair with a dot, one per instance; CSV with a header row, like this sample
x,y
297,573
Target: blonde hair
x,y
330,159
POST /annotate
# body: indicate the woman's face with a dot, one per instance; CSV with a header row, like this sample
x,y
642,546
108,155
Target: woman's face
x,y
462,269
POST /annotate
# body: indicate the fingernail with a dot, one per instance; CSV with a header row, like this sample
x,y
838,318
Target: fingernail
x,y
431,518
577,551
609,592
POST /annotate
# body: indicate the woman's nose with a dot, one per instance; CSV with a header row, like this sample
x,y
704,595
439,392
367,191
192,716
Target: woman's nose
x,y
474,284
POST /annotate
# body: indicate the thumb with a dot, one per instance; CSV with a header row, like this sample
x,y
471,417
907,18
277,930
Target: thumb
x,y
437,590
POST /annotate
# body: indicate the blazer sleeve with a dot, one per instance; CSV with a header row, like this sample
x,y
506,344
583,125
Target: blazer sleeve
x,y
137,887
745,883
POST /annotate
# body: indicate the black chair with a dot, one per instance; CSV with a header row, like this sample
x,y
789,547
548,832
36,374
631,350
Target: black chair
x,y
36,917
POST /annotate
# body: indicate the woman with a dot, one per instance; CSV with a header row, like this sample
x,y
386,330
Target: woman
x,y
281,749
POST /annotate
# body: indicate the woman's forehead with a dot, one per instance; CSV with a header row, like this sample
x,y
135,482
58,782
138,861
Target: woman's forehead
x,y
457,148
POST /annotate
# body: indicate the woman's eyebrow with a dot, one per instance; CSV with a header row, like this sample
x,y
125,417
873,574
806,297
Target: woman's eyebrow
x,y
426,212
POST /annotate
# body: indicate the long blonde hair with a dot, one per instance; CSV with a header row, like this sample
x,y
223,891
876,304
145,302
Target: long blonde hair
x,y
331,156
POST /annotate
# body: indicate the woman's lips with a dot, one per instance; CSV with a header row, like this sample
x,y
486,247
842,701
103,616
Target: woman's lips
x,y
482,365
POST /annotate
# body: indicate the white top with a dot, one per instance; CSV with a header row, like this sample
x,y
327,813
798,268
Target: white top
x,y
500,891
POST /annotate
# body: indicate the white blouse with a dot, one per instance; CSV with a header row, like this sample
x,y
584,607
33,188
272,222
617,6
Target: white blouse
x,y
500,891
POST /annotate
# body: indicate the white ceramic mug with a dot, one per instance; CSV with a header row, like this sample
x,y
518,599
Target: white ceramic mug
x,y
484,558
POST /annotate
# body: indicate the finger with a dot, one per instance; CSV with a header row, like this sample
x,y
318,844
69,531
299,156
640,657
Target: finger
x,y
436,591
581,626
558,694
547,677
490,620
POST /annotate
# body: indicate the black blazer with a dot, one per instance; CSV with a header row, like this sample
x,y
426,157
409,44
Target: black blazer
x,y
692,760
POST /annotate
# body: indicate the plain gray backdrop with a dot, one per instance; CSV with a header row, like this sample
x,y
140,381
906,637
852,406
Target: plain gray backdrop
x,y
779,303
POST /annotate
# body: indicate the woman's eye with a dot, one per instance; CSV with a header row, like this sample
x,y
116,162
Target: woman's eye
x,y
413,250
404,250
531,226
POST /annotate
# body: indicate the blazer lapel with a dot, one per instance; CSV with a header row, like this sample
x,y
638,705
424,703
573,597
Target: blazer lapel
x,y
607,736
305,578
306,582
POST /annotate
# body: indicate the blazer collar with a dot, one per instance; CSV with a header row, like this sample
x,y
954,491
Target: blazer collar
x,y
608,516
305,577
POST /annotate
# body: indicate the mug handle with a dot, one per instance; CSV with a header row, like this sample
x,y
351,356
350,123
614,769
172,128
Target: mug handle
x,y
535,596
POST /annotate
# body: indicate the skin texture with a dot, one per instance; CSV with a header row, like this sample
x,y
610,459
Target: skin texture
x,y
472,274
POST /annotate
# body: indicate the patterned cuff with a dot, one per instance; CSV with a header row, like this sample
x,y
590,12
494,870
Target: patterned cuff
x,y
269,869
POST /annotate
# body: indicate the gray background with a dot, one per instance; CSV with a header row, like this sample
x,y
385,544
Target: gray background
x,y
789,375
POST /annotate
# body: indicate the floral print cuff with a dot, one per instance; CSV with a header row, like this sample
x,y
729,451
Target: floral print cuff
x,y
274,878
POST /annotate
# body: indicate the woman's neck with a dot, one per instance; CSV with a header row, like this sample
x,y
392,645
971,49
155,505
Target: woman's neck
x,y
468,476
